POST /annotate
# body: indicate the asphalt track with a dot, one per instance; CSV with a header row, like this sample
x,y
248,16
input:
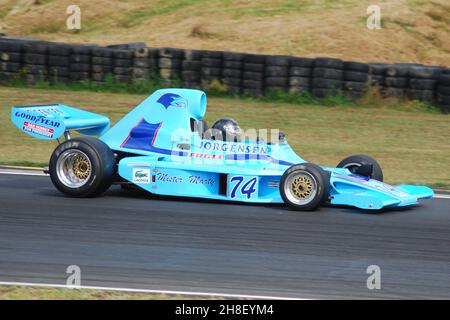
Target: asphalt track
x,y
129,239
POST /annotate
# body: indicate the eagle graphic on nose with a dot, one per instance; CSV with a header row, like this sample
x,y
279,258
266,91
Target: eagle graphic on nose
x,y
172,99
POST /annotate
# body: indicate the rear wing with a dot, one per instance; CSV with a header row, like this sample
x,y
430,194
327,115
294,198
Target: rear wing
x,y
51,121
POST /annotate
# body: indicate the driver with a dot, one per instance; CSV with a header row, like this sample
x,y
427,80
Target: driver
x,y
227,129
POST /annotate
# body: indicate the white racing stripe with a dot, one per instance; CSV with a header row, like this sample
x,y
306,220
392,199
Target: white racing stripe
x,y
169,292
33,173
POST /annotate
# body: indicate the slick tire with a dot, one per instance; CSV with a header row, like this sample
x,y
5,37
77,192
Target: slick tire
x,y
305,186
356,162
82,167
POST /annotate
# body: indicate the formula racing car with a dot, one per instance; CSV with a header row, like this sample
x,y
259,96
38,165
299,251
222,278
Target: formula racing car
x,y
165,147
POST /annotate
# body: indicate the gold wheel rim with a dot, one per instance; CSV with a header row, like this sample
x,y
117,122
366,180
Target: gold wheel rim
x,y
302,187
81,167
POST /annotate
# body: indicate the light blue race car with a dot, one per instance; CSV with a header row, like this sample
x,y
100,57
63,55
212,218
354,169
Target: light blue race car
x,y
165,147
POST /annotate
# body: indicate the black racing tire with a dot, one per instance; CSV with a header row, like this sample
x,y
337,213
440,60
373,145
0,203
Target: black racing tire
x,y
276,71
354,86
305,186
424,72
282,61
124,63
232,64
58,49
299,81
231,73
378,68
191,65
356,66
102,52
211,63
123,54
189,55
396,82
212,54
34,58
354,162
81,49
326,83
444,80
80,58
97,166
356,76
80,67
422,84
171,53
10,66
328,73
328,63
253,67
58,61
300,71
301,62
256,76
187,75
234,82
101,68
276,82
254,58
206,72
10,56
445,90
36,47
233,56
58,71
102,60
397,71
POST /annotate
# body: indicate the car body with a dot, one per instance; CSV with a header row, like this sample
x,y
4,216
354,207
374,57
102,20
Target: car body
x,y
158,150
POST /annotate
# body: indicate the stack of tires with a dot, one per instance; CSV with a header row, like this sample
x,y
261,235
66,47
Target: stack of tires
x,y
122,62
356,77
422,83
190,69
253,75
101,64
396,80
10,60
377,74
443,91
153,62
35,61
300,75
328,75
276,73
170,63
232,71
211,66
58,63
140,69
80,63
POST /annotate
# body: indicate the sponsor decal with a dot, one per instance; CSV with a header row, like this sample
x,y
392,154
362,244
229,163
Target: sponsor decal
x,y
37,119
172,100
205,156
199,180
141,175
274,184
164,177
35,128
233,147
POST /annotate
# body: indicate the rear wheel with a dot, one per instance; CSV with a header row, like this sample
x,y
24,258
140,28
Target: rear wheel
x,y
305,186
363,165
82,167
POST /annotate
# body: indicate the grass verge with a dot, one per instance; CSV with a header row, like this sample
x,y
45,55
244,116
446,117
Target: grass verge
x,y
41,293
410,140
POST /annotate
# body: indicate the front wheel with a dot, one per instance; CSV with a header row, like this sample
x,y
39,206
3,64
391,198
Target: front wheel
x,y
363,165
82,167
305,186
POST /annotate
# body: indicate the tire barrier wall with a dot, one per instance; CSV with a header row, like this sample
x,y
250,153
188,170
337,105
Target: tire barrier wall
x,y
242,73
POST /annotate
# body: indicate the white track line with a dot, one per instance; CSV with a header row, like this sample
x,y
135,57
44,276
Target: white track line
x,y
23,173
170,292
28,173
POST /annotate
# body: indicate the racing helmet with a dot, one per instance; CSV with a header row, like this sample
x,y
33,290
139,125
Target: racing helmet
x,y
229,129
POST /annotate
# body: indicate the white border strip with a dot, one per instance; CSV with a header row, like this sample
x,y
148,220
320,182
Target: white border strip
x,y
169,292
28,173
